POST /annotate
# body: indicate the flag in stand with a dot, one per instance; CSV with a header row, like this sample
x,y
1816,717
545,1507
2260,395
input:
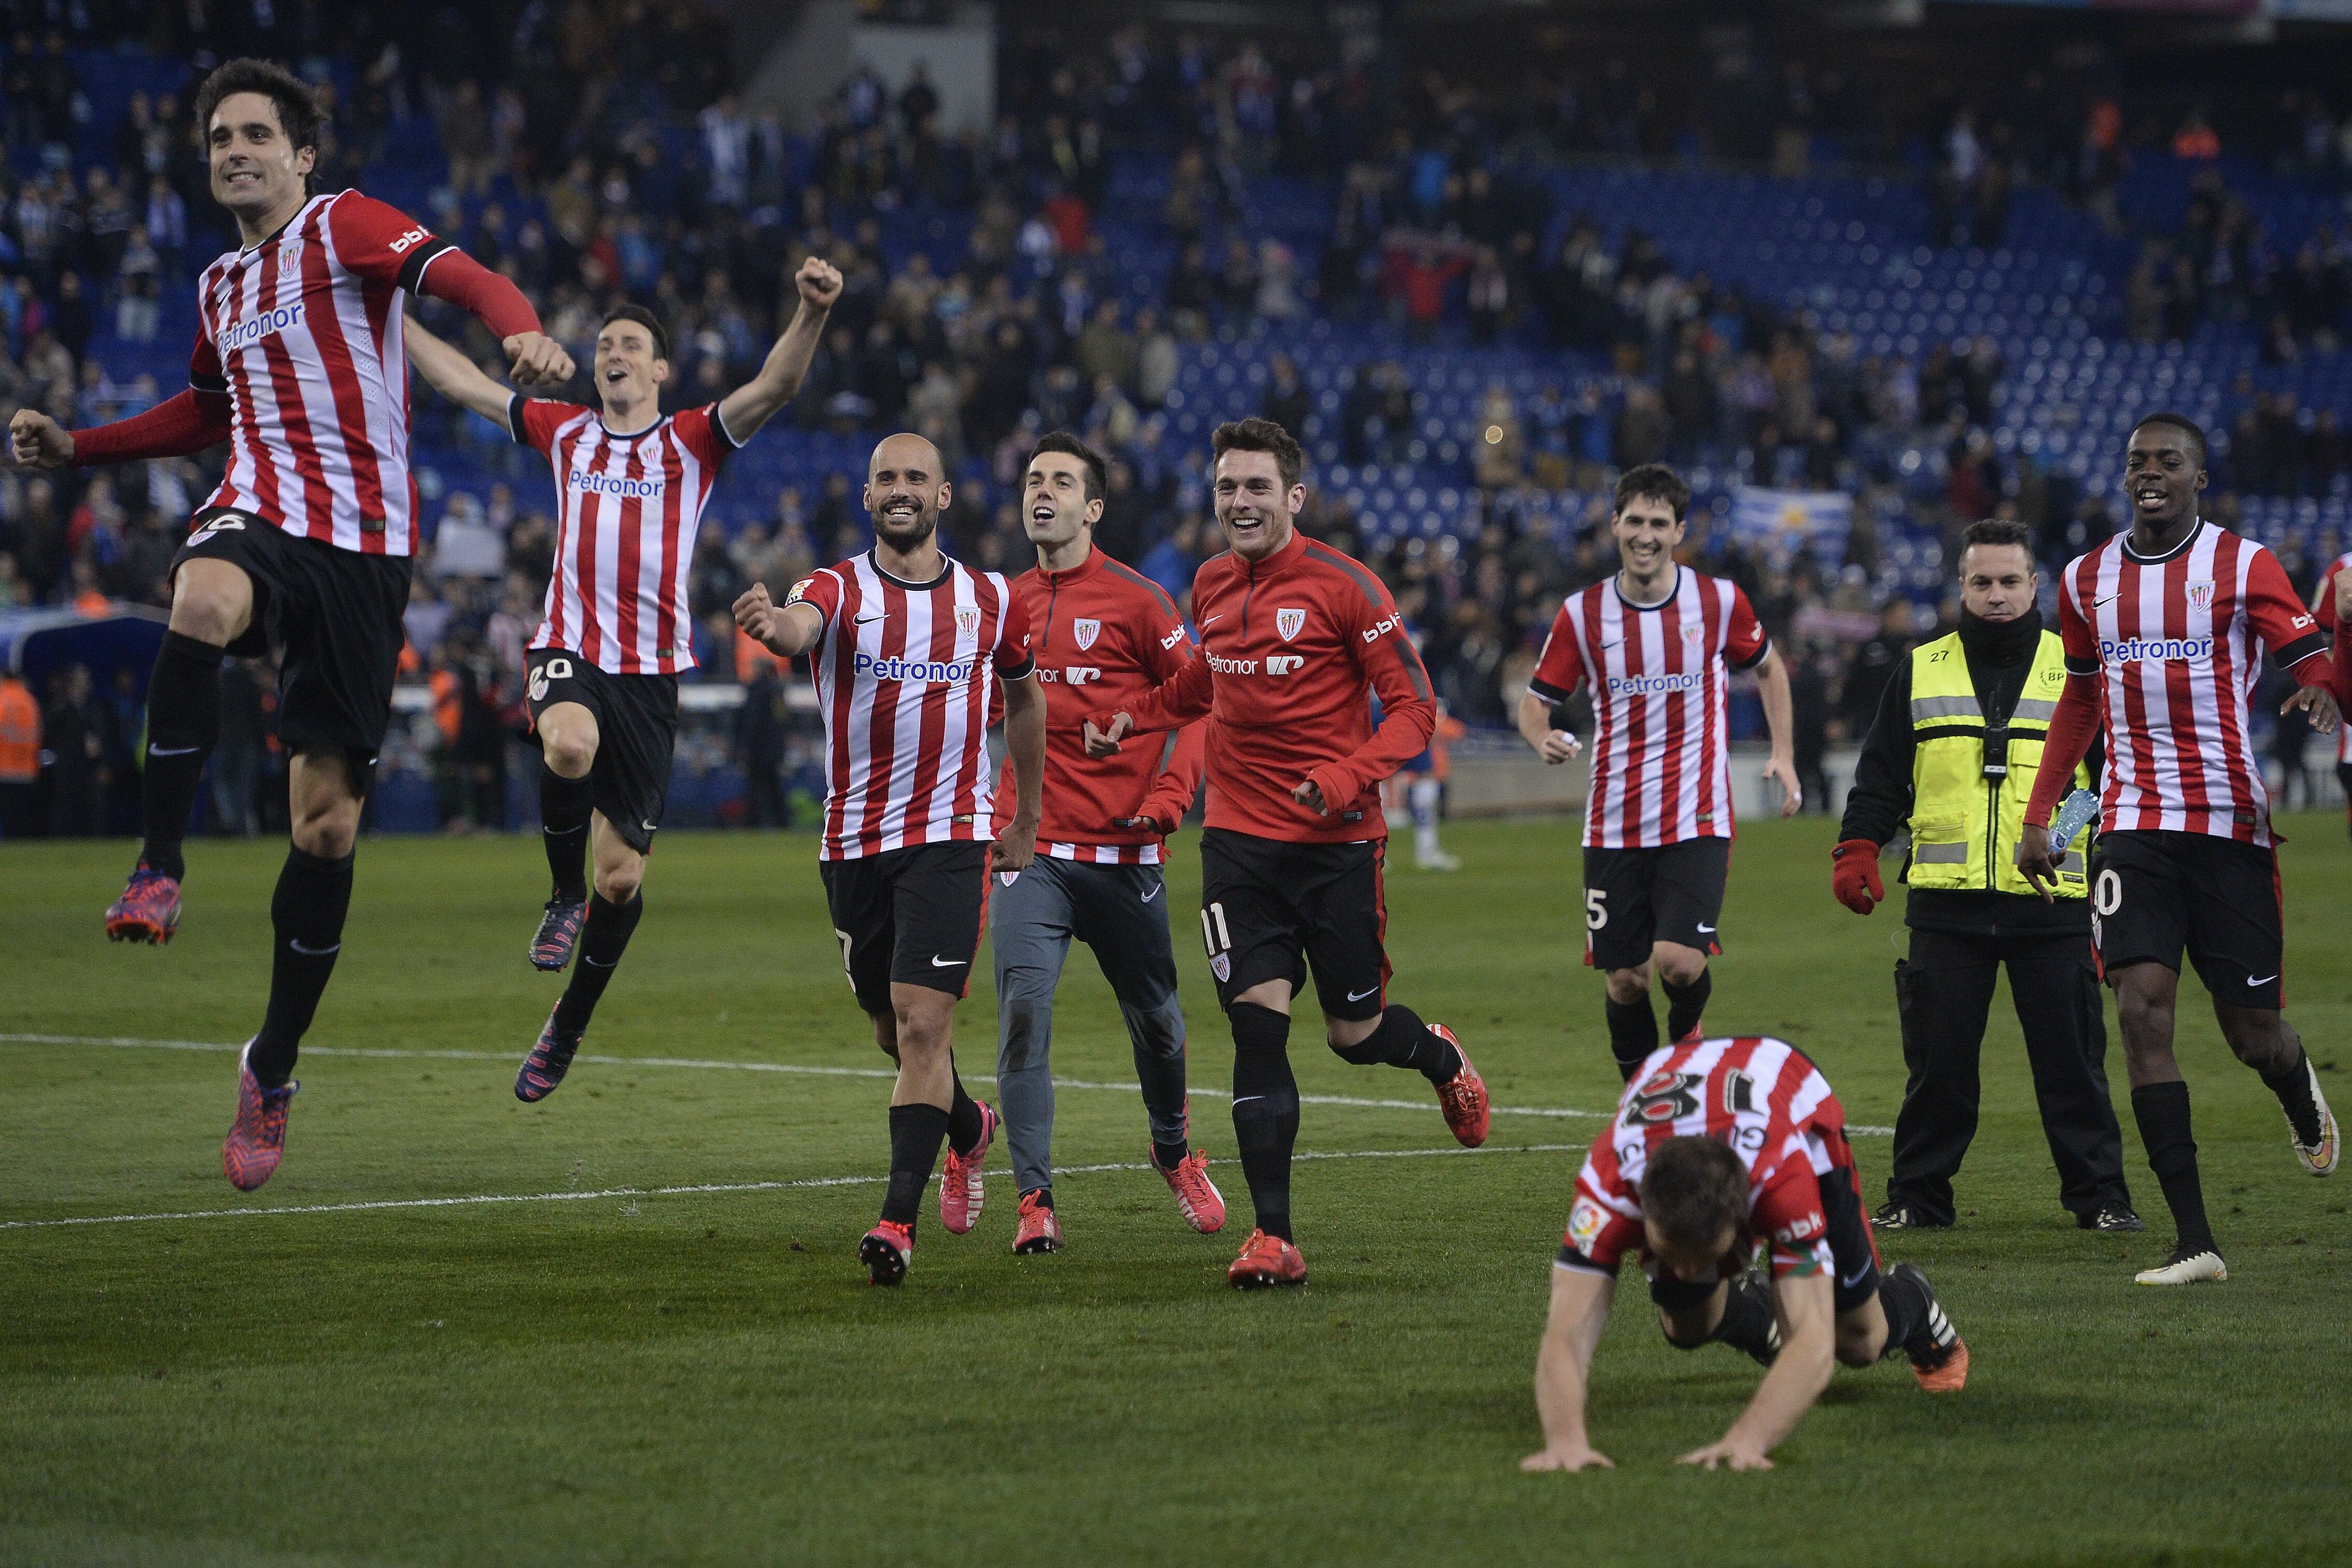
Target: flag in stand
x,y
1783,521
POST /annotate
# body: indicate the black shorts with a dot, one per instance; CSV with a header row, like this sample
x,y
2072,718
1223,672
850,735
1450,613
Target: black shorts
x,y
331,616
1635,898
910,916
2155,893
1271,909
636,731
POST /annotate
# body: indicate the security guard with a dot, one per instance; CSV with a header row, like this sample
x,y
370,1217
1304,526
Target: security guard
x,y
1952,756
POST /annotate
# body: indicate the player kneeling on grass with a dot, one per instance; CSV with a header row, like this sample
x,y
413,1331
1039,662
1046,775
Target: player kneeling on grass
x,y
617,631
1719,1145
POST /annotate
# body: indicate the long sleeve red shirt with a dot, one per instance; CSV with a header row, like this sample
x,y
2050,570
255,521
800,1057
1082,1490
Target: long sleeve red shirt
x,y
1292,649
1101,634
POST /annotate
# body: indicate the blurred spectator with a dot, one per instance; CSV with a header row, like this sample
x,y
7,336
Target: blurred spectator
x,y
75,731
760,730
20,759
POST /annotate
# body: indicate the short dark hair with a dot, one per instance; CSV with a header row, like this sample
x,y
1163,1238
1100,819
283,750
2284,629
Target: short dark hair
x,y
1654,482
1062,441
1693,1189
2180,422
1994,532
1255,435
299,111
628,311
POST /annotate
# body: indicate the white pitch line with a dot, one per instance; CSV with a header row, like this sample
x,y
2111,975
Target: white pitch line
x,y
697,1188
401,1053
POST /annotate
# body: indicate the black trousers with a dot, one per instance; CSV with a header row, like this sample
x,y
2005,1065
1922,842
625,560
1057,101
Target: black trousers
x,y
1943,995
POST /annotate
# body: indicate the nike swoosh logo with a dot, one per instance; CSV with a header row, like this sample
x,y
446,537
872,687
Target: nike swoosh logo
x,y
866,620
170,750
1707,930
2265,980
1219,615
2110,599
310,952
1606,646
1153,893
1360,995
949,963
585,960
1849,1284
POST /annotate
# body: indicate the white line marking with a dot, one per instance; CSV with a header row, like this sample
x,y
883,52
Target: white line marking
x,y
698,1188
398,1054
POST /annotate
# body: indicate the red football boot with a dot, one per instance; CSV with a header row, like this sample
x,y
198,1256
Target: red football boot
x,y
885,1251
1197,1197
148,911
1463,1097
258,1141
1267,1260
959,1186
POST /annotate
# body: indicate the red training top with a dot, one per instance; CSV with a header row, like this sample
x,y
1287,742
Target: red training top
x,y
1293,648
1100,634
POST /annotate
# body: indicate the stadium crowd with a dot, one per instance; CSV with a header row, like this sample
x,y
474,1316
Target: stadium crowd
x,y
598,151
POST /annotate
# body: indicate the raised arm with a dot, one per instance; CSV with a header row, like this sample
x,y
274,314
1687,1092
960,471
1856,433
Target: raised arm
x,y
1579,1310
752,404
179,426
448,371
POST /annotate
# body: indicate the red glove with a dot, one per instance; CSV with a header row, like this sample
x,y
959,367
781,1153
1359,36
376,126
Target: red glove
x,y
1853,875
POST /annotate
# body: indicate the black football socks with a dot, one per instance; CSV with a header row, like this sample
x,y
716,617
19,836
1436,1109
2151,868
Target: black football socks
x,y
184,721
1747,1321
963,1117
2162,1112
563,806
1687,1004
1265,1111
1633,1034
307,915
603,937
916,1134
2292,1088
1403,1040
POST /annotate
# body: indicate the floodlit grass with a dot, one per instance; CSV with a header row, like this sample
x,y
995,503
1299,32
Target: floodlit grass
x,y
649,1377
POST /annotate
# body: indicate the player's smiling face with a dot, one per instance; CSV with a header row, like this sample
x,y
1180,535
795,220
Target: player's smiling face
x,y
1053,504
904,491
2162,475
1646,532
255,169
629,372
1253,506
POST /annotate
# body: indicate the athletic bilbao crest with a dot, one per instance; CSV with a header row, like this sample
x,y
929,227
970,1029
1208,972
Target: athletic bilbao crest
x,y
967,619
1086,631
289,259
2200,596
1289,622
1221,965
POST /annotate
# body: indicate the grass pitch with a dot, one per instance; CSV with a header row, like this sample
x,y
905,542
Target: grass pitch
x,y
616,1371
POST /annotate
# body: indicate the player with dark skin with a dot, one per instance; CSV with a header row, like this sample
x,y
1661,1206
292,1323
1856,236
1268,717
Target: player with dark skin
x,y
2164,473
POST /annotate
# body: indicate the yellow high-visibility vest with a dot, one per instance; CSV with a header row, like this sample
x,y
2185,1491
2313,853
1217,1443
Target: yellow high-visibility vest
x,y
1966,828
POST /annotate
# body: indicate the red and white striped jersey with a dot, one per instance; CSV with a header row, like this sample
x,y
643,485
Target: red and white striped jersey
x,y
903,671
625,545
2324,608
1661,762
1762,1097
303,333
2176,640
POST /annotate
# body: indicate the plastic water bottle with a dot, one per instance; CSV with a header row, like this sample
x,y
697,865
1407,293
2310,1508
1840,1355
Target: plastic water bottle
x,y
2075,813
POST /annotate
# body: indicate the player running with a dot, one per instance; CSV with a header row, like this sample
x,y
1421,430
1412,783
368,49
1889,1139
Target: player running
x,y
2163,629
1295,640
603,664
1100,634
1720,1147
905,640
2332,604
305,546
1657,642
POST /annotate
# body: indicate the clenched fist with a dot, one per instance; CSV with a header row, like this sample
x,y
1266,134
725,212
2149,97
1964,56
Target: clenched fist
x,y
37,441
819,282
536,360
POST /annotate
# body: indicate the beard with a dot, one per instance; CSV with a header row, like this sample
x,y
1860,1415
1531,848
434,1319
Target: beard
x,y
907,536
